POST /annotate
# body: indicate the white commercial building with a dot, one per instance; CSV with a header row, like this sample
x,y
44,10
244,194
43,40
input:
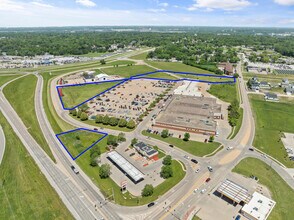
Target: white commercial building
x,y
258,208
132,172
102,77
188,88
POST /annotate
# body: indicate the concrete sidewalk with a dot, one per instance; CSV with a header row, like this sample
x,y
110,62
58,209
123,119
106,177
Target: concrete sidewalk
x,y
2,144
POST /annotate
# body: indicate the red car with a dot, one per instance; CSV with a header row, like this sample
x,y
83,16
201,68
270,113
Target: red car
x,y
207,180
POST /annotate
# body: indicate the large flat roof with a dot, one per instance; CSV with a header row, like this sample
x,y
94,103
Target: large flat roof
x,y
234,191
259,206
126,166
190,112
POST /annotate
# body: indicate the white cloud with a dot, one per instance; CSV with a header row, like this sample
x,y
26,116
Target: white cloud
x,y
7,5
87,3
155,10
227,5
287,21
40,4
285,2
163,4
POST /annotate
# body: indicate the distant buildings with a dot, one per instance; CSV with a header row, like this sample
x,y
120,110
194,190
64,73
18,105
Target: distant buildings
x,y
288,87
227,67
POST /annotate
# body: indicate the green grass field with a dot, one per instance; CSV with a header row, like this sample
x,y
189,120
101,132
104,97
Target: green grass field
x,y
271,119
74,95
193,147
280,191
5,79
160,75
225,92
128,71
22,100
78,141
176,67
24,191
141,56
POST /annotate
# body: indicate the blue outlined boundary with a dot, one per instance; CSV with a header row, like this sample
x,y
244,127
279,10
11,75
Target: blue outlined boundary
x,y
145,76
84,151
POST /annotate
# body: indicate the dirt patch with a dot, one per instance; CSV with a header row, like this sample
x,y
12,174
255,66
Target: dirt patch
x,y
229,157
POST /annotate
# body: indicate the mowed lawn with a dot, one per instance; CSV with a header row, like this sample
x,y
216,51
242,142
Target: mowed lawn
x,y
141,56
75,95
21,95
225,92
271,120
198,149
78,141
24,191
128,71
160,75
5,79
281,192
176,67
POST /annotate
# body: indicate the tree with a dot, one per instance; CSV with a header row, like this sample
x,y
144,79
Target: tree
x,y
102,62
121,137
219,72
84,116
164,133
131,124
74,112
112,140
211,138
147,190
236,75
166,172
167,160
113,121
134,141
99,119
79,114
122,123
83,107
104,171
105,120
186,137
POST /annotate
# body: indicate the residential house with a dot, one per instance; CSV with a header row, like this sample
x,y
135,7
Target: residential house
x,y
271,97
289,90
264,85
285,83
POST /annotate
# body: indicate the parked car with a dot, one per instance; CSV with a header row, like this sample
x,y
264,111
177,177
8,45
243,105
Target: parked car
x,y
194,161
195,190
132,154
197,171
151,204
210,168
238,217
203,191
207,180
187,157
74,169
95,129
229,148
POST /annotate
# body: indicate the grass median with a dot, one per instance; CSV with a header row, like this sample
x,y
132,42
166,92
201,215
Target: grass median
x,y
281,192
22,100
198,149
5,79
24,191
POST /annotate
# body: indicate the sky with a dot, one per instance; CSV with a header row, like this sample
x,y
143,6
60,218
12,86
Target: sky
x,y
249,13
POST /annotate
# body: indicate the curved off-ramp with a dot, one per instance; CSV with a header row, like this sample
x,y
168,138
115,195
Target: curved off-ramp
x,y
2,144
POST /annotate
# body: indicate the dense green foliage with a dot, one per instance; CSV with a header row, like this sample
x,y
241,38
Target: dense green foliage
x,y
183,46
147,190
